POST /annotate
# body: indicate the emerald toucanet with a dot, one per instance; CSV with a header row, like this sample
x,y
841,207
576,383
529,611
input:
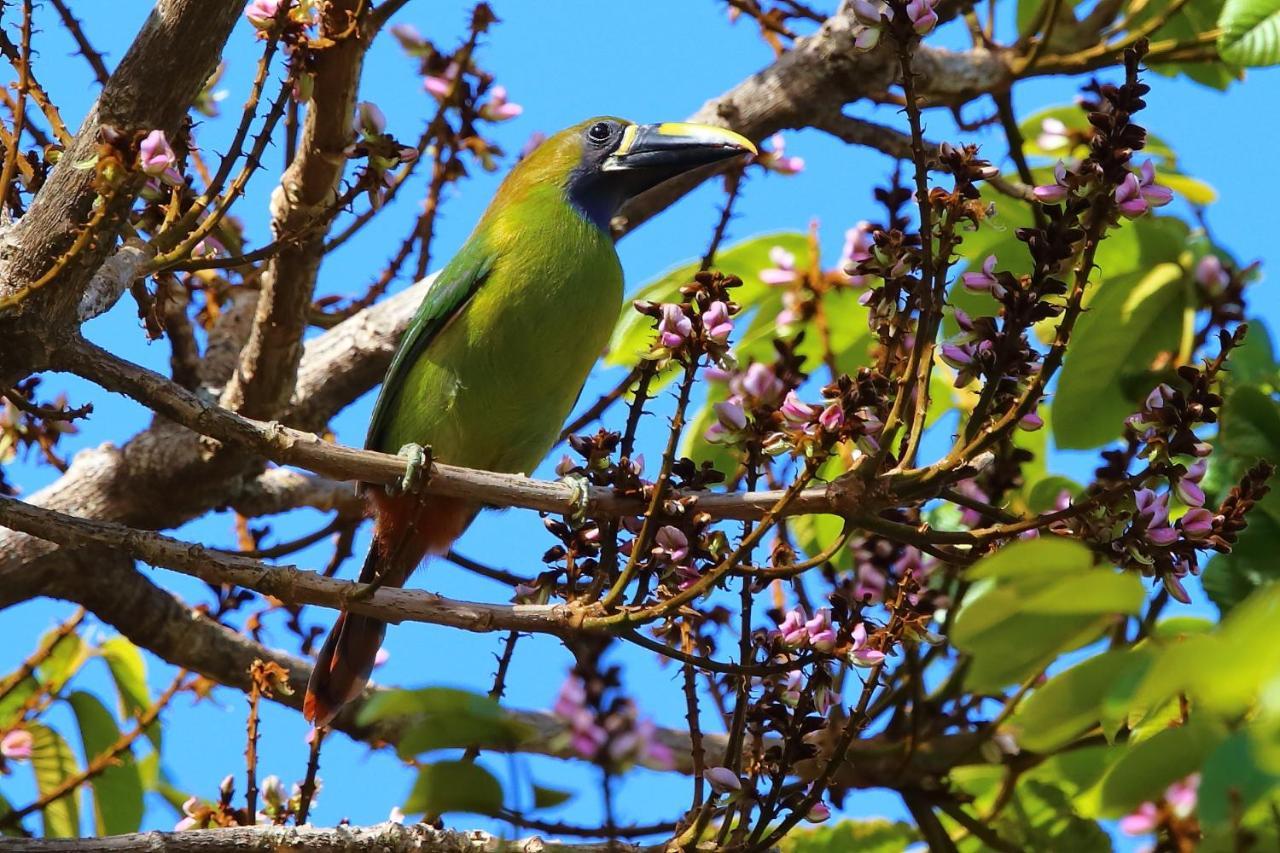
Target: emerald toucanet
x,y
497,354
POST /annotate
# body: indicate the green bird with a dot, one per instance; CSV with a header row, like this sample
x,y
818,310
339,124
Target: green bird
x,y
498,352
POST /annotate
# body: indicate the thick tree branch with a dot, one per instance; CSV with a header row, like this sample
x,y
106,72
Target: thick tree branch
x,y
301,204
287,583
289,446
382,838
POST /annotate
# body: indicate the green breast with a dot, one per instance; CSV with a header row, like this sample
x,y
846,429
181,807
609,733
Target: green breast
x,y
494,386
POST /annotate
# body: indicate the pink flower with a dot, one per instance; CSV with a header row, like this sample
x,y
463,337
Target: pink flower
x,y
1030,422
190,809
1058,190
985,280
956,355
439,85
381,657
716,322
261,13
819,811
722,779
369,119
1181,796
796,411
1189,492
1211,273
860,654
775,160
498,108
873,13
675,327
1142,822
761,383
730,414
865,38
792,630
783,270
155,156
1136,195
822,636
16,745
1053,135
673,541
1197,523
832,417
923,18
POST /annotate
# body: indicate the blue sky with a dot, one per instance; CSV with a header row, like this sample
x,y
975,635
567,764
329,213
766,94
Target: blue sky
x,y
564,61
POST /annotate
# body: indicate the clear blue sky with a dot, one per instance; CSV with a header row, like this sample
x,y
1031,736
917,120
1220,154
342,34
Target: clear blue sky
x,y
562,61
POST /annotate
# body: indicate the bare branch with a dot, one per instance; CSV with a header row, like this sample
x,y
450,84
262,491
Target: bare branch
x,y
151,88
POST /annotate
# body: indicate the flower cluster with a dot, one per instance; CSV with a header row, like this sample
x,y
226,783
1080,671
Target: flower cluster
x,y
902,18
798,631
613,735
700,324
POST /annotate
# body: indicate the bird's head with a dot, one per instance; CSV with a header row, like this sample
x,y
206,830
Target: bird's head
x,y
604,162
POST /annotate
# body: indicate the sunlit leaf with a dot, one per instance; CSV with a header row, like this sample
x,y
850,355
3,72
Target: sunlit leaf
x,y
1147,769
117,790
443,717
54,762
1072,701
1250,32
129,672
1104,377
455,786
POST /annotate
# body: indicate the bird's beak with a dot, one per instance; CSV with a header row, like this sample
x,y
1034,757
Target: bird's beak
x,y
666,150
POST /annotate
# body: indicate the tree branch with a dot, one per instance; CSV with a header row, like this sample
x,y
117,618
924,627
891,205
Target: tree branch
x,y
382,838
151,88
301,204
289,446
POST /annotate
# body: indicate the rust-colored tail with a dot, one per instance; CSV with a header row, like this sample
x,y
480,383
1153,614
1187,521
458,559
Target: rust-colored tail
x,y
406,529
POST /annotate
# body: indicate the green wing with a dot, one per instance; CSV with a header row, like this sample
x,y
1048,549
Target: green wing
x,y
447,296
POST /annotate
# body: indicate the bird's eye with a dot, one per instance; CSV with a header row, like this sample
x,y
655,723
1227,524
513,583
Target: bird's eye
x,y
599,132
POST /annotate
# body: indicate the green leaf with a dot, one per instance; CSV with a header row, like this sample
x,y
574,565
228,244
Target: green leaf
x,y
65,658
53,762
1250,425
1193,190
13,701
1048,556
633,332
117,791
1250,32
549,798
1233,780
1072,701
443,717
1032,601
129,672
864,836
1145,770
1106,373
1043,495
455,786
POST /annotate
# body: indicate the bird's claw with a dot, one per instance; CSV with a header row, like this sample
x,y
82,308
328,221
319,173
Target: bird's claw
x,y
581,498
417,460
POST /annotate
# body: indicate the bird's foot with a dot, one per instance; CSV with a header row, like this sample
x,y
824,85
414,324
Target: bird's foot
x,y
417,461
581,498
